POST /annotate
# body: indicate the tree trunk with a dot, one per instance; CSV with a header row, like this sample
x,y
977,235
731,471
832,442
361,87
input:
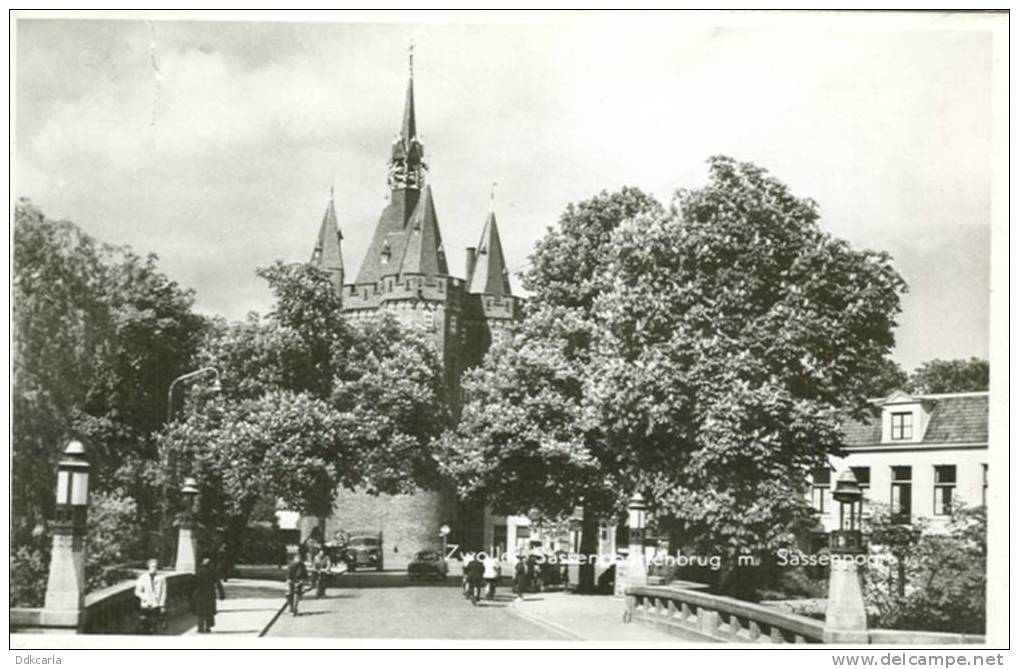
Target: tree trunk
x,y
902,577
588,547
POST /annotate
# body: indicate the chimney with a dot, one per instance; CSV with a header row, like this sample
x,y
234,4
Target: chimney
x,y
471,258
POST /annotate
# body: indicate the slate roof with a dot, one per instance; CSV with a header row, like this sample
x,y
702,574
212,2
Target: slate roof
x,y
490,275
958,418
326,254
423,252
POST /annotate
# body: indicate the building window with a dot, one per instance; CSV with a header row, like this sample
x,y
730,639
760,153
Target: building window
x,y
984,494
820,489
902,426
902,493
944,489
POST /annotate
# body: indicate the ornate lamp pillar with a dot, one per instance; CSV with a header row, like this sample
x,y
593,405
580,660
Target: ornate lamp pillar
x,y
65,587
845,620
186,545
636,571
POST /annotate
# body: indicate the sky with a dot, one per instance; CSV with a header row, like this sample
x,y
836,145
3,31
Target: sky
x,y
214,144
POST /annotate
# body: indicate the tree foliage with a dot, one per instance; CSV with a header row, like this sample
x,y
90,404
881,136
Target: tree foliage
x,y
97,334
309,403
945,586
700,354
951,376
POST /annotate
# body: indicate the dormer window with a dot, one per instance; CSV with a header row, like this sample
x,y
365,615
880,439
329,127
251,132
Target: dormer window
x,y
902,425
386,253
904,418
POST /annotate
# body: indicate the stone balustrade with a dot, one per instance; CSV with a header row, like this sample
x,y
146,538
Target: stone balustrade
x,y
716,617
672,608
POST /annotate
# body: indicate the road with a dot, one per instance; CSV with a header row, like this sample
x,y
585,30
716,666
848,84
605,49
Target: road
x,y
389,606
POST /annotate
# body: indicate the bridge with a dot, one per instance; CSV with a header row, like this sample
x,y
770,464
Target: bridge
x,y
387,605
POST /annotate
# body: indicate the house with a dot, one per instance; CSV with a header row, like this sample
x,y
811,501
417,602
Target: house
x,y
922,455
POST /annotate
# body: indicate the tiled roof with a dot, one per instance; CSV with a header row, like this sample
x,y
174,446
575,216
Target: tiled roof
x,y
958,418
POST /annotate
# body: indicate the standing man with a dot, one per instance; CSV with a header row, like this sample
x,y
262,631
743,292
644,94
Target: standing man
x,y
203,600
468,558
150,589
520,577
297,574
491,575
475,572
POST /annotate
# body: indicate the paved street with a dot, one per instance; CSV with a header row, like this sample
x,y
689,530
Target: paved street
x,y
388,605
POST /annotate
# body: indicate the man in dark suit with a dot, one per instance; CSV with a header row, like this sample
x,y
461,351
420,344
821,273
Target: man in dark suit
x,y
203,598
475,572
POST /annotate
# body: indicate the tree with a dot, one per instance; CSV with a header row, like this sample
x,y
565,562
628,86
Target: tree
x,y
951,376
712,348
735,334
309,403
524,440
888,378
97,334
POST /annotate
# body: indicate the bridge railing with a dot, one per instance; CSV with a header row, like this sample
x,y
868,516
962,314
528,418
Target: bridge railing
x,y
671,608
717,617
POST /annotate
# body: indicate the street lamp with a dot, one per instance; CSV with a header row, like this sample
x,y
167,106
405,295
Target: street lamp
x,y
444,533
65,587
216,386
186,548
845,619
848,538
636,571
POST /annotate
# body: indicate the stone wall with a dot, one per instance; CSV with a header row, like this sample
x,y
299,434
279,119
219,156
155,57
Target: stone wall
x,y
408,523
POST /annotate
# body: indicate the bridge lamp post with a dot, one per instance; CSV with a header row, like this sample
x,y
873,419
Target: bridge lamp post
x,y
65,587
636,572
845,620
186,544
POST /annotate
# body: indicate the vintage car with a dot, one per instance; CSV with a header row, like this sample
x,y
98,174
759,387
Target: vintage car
x,y
427,564
365,550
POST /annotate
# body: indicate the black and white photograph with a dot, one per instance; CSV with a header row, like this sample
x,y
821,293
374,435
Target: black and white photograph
x,y
507,329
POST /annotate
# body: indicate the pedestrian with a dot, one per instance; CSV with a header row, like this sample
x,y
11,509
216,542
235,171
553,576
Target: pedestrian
x,y
322,565
532,572
297,574
150,589
491,575
475,571
208,587
520,577
468,557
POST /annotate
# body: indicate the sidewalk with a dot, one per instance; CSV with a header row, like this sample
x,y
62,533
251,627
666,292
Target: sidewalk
x,y
593,618
249,608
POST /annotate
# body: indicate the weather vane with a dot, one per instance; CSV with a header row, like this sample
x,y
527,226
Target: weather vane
x,y
410,57
491,196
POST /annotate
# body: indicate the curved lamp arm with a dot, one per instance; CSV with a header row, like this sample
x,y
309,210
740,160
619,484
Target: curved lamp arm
x,y
185,377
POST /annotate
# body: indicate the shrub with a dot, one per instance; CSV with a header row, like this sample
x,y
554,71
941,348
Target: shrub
x,y
29,571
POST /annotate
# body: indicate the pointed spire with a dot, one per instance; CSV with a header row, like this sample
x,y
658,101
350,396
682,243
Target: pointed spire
x,y
327,254
409,129
490,275
407,161
423,253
